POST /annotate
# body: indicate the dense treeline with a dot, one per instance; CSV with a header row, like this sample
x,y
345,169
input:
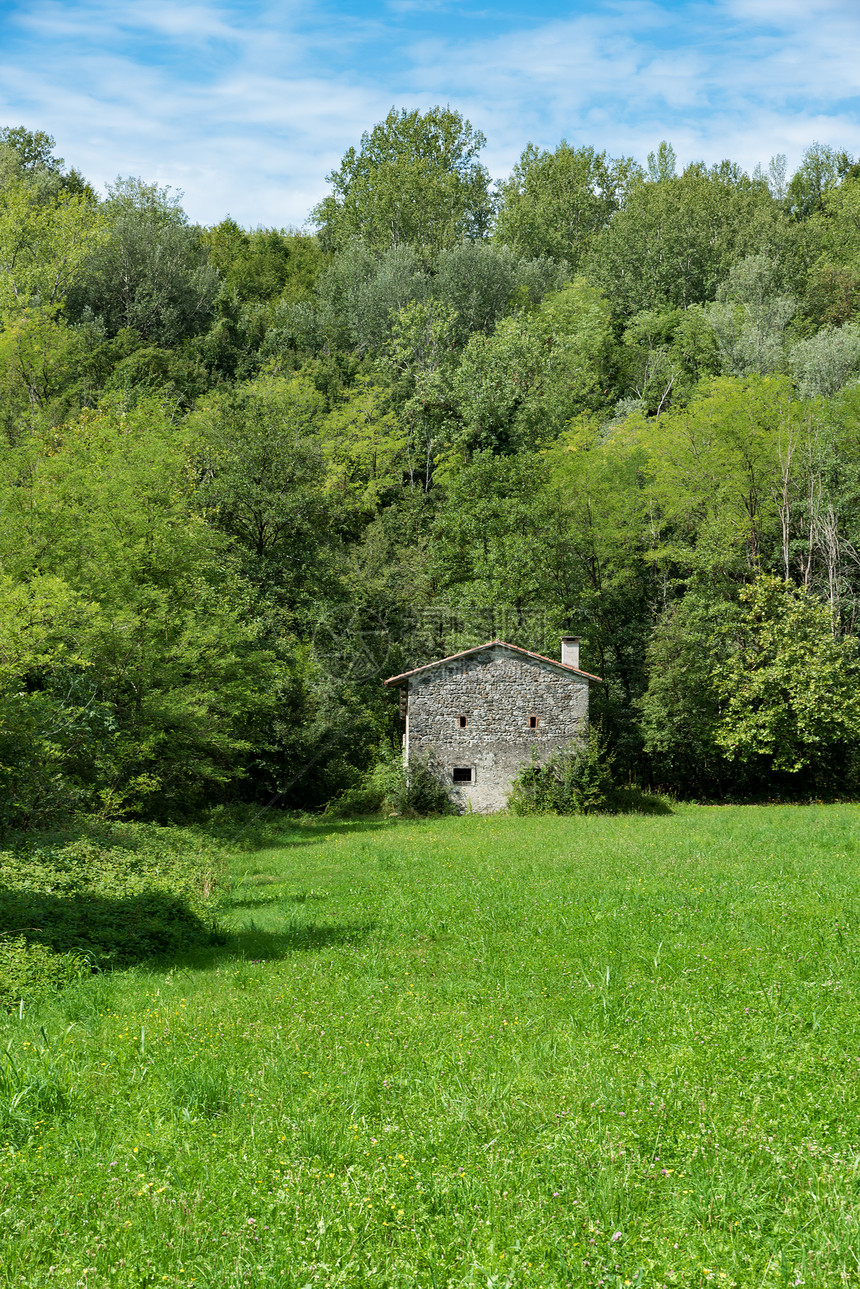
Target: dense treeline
x,y
246,474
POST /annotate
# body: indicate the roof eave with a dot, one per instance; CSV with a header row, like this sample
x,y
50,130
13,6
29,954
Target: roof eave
x,y
465,653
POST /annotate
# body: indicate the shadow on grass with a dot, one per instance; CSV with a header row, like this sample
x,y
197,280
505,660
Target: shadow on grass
x,y
634,801
110,931
252,944
93,901
49,942
276,897
274,828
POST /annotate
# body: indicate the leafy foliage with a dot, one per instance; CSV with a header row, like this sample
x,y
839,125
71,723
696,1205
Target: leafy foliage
x,y
576,781
150,271
392,787
107,898
754,692
676,238
554,203
415,179
248,473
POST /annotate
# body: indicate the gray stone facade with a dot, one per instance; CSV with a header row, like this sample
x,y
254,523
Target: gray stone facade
x,y
482,715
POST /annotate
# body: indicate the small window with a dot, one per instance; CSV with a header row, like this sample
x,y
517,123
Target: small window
x,y
463,722
532,722
462,774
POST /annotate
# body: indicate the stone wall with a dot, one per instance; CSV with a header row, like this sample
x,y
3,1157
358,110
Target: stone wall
x,y
497,690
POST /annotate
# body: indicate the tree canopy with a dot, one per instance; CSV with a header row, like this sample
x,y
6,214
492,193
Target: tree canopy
x,y
416,179
247,473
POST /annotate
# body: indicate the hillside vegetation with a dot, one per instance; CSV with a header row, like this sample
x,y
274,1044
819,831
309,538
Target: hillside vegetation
x,y
469,1052
246,474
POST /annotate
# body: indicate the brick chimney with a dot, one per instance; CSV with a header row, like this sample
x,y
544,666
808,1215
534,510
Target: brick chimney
x,y
570,651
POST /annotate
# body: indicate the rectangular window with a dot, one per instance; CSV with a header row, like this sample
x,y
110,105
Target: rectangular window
x,y
462,774
532,722
463,722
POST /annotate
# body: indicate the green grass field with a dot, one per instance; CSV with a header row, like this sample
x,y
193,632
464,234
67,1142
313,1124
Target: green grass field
x,y
469,1052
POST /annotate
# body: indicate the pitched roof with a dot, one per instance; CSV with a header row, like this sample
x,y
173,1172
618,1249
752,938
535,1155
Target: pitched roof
x,y
490,644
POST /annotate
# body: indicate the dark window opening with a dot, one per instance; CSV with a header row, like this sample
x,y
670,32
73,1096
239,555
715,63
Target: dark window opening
x,y
463,722
462,774
532,722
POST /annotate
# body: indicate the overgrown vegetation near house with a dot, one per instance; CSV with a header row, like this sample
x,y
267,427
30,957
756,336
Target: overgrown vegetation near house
x,y
575,781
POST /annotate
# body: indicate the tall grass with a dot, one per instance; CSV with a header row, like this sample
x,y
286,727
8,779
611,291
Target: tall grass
x,y
472,1052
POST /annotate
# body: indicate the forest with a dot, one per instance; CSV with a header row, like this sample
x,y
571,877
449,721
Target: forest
x,y
246,474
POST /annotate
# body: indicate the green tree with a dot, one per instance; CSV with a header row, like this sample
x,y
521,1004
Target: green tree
x,y
824,520
574,781
521,385
44,247
666,353
673,241
54,725
364,447
419,363
150,272
169,656
826,361
661,164
602,543
260,475
837,223
29,155
264,274
832,295
359,293
789,690
33,149
554,202
264,263
47,235
821,171
497,542
750,317
751,692
483,282
719,479
415,179
680,710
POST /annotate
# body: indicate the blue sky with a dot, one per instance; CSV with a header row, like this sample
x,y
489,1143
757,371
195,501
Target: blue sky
x,y
246,105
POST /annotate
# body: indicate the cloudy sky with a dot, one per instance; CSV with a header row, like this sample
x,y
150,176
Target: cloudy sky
x,y
246,105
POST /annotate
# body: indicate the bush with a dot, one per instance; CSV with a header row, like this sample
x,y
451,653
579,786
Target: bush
x,y
357,802
391,787
30,970
106,899
575,781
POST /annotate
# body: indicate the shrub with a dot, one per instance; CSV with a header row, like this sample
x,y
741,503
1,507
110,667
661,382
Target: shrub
x,y
357,802
31,970
105,899
392,787
575,781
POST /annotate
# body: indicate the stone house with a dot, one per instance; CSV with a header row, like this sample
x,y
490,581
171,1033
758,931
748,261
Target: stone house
x,y
479,716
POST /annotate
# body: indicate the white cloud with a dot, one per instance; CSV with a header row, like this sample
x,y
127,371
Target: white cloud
x,y
248,110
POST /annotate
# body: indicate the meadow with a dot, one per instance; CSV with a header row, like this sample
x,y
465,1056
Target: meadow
x,y
483,1052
